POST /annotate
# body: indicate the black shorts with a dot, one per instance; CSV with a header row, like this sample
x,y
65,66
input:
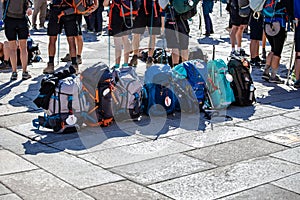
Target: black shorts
x,y
297,38
256,28
177,39
16,29
118,25
236,19
142,21
277,42
68,22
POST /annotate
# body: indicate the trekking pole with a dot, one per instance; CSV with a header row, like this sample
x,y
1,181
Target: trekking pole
x,y
220,8
200,21
292,55
58,48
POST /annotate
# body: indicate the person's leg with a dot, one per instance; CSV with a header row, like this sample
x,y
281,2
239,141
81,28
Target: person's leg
x,y
72,48
13,54
239,36
233,32
263,45
184,55
36,10
127,48
175,57
207,24
6,51
43,13
297,70
118,51
23,54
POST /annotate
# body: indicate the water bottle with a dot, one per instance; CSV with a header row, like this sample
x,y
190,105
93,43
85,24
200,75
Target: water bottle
x,y
251,92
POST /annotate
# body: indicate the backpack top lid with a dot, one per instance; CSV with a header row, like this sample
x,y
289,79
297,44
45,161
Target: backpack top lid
x,y
155,74
183,6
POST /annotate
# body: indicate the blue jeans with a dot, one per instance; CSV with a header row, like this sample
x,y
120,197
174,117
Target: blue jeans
x,y
208,24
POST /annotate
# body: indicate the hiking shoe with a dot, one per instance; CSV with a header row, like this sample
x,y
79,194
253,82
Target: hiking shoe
x,y
79,59
14,76
66,58
149,62
243,53
266,76
49,69
297,84
25,76
254,63
134,61
276,79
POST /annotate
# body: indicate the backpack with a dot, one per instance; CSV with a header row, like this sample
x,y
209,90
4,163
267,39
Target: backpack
x,y
244,8
158,98
33,52
80,7
59,96
185,8
218,86
127,95
15,9
190,86
97,86
242,84
269,9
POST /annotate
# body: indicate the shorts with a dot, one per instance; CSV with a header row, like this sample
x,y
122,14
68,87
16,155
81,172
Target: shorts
x,y
236,19
277,42
256,28
177,39
297,39
142,21
16,29
68,22
79,24
118,25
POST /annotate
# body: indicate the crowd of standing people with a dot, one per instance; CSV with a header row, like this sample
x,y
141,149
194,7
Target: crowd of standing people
x,y
158,22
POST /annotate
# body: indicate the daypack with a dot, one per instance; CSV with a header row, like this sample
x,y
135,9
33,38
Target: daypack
x,y
62,107
244,8
159,98
218,86
269,9
80,7
97,86
185,8
242,84
33,52
127,95
190,86
15,9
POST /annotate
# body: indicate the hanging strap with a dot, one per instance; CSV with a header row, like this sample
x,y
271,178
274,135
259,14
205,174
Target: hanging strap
x,y
5,11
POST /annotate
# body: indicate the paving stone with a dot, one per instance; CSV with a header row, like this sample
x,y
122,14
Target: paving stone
x,y
235,151
289,183
11,120
293,115
163,168
287,136
224,181
135,153
96,142
210,137
264,192
38,185
73,170
291,155
4,190
273,123
11,163
7,109
10,197
21,145
124,190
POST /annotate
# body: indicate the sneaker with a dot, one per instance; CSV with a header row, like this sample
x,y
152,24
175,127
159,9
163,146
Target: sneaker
x,y
254,63
43,27
79,59
297,84
149,62
134,61
14,76
243,53
34,28
66,58
49,69
276,79
234,53
266,76
25,76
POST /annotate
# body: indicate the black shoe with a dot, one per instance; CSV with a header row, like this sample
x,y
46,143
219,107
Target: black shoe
x,y
14,76
133,61
297,84
243,53
254,63
207,34
266,76
276,79
25,76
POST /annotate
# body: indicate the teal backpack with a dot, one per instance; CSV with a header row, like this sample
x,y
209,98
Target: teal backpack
x,y
269,9
185,8
218,84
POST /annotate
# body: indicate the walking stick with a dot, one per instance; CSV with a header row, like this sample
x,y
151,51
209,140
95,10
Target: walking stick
x,y
292,56
58,48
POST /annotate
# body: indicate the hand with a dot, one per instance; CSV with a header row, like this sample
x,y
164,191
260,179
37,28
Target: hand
x,y
29,11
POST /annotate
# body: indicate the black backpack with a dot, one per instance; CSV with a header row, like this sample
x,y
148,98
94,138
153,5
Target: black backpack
x,y
242,84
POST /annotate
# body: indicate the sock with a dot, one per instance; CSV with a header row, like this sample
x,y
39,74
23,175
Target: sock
x,y
51,59
238,49
232,49
74,60
273,73
116,66
125,65
78,56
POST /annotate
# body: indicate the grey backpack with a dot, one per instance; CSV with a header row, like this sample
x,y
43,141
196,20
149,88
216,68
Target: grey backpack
x,y
127,95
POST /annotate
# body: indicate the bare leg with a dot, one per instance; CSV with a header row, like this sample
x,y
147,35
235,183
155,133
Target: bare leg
x,y
13,54
23,54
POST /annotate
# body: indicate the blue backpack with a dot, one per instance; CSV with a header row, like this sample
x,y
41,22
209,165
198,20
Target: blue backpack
x,y
218,86
158,97
269,9
190,86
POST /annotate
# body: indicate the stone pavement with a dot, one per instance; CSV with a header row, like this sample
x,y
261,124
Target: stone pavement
x,y
254,156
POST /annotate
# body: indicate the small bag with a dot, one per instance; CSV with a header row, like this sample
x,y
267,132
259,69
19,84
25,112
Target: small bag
x,y
272,29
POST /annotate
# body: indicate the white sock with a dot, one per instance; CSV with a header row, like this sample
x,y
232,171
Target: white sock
x,y
238,49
